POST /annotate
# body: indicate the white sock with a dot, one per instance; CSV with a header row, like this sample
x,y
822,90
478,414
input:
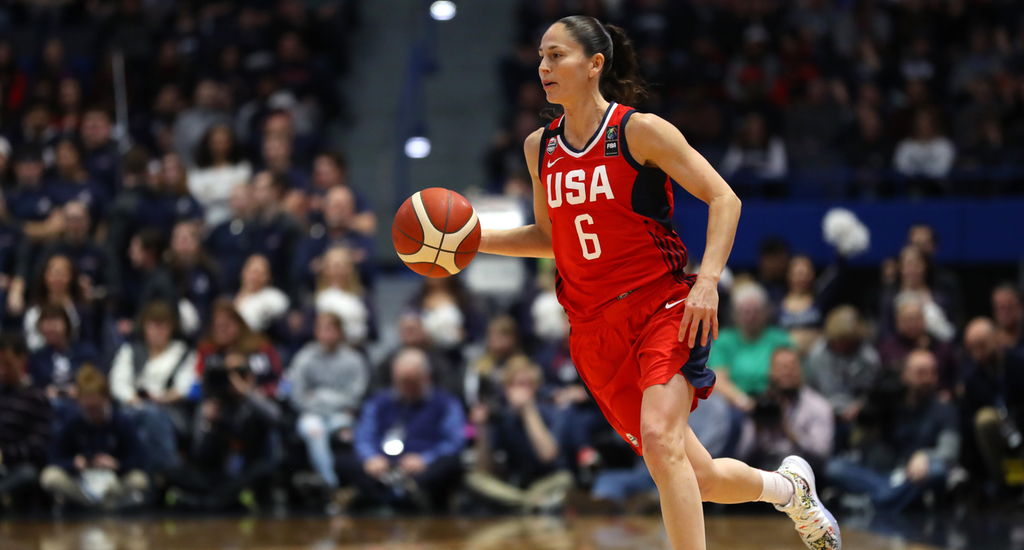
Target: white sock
x,y
777,488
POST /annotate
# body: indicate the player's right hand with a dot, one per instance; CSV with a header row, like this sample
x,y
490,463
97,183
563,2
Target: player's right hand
x,y
700,313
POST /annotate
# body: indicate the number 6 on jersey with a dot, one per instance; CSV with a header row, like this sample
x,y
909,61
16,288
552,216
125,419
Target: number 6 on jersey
x,y
587,237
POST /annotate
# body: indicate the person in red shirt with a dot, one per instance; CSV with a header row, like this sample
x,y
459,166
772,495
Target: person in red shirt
x,y
641,327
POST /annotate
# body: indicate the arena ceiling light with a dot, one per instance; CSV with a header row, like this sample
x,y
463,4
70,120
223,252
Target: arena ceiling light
x,y
442,10
417,147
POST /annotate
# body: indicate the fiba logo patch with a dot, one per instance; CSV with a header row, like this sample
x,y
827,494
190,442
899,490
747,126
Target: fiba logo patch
x,y
632,440
611,141
551,145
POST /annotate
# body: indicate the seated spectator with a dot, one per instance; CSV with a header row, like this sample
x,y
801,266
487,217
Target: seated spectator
x,y
277,161
911,440
196,277
229,334
447,313
231,242
100,154
191,128
93,263
25,422
911,334
446,368
789,419
1008,313
274,233
331,170
58,285
150,378
741,356
233,440
97,456
407,442
992,402
71,182
944,280
868,151
517,454
29,202
337,229
147,279
916,277
800,311
482,383
755,155
257,301
219,169
56,362
340,292
328,379
843,366
11,237
927,154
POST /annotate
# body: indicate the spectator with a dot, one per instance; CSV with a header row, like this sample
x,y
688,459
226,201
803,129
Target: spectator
x,y
773,261
331,170
447,313
790,418
517,454
150,377
229,334
193,124
328,379
340,292
911,334
800,312
220,168
917,280
482,384
25,419
257,301
868,151
277,161
913,440
148,278
336,230
101,155
755,156
54,364
232,442
993,399
407,442
943,280
741,356
11,237
29,201
71,181
97,456
843,366
927,153
274,233
196,277
58,286
446,368
231,242
1008,313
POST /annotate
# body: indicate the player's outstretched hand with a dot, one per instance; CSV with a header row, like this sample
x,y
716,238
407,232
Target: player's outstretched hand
x,y
700,313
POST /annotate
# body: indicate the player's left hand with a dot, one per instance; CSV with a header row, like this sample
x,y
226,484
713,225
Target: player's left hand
x,y
700,313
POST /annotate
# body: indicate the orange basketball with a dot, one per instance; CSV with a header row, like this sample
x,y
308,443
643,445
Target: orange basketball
x,y
436,232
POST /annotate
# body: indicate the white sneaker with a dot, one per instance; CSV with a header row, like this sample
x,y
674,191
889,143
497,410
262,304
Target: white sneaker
x,y
816,526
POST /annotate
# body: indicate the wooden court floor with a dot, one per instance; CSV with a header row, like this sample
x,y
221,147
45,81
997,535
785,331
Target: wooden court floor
x,y
529,533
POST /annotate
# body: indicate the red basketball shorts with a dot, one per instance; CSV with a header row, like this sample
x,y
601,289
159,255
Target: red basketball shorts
x,y
633,344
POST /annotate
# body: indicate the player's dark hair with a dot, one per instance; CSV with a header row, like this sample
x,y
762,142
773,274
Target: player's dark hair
x,y
620,78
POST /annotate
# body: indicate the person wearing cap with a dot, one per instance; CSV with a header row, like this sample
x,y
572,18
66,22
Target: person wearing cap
x,y
843,365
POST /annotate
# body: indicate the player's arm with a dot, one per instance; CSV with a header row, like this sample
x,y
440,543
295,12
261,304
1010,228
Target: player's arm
x,y
655,142
529,241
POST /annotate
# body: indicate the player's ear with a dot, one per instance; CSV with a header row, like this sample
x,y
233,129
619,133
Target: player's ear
x,y
596,64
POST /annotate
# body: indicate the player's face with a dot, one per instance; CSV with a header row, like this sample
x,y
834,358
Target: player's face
x,y
565,70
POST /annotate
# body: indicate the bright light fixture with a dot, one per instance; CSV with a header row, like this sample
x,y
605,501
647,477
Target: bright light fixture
x,y
417,147
442,10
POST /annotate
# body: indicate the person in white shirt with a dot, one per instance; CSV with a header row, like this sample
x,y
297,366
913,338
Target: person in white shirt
x,y
219,169
258,302
340,292
926,153
151,378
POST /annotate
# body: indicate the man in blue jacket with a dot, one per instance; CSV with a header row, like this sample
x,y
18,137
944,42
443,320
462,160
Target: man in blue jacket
x,y
97,457
408,441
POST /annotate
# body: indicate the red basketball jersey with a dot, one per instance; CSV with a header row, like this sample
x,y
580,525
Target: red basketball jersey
x,y
610,217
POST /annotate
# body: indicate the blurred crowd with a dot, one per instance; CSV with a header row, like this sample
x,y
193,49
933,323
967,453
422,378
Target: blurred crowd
x,y
812,98
188,305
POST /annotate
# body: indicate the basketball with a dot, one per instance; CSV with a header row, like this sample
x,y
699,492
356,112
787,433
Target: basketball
x,y
436,232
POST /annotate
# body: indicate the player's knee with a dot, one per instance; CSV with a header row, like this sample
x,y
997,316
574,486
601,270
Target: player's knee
x,y
663,439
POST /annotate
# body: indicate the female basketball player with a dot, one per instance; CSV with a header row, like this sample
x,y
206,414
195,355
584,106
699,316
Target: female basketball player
x,y
640,326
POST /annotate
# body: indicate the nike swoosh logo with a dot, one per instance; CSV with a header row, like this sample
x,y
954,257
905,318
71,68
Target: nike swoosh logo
x,y
674,304
552,163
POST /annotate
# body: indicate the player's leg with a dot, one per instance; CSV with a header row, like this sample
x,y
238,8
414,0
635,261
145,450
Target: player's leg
x,y
729,481
664,417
